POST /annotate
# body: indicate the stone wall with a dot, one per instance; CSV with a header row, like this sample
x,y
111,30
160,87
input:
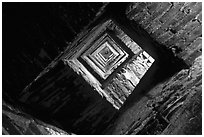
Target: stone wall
x,y
176,25
62,98
124,72
173,106
16,122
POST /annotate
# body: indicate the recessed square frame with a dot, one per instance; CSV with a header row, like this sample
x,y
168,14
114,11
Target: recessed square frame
x,y
86,41
104,67
98,54
94,65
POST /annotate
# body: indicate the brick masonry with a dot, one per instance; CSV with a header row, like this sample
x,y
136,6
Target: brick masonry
x,y
176,25
172,107
129,72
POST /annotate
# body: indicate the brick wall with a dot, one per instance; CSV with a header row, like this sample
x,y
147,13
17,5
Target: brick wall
x,y
176,25
174,105
171,107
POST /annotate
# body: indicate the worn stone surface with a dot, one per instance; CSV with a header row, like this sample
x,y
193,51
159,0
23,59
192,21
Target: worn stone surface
x,y
176,25
175,98
67,99
16,122
131,64
172,107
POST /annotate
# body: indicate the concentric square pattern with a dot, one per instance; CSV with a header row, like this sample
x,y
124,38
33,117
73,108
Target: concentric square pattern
x,y
104,56
110,61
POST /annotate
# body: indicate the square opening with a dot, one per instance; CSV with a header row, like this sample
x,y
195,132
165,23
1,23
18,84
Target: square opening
x,y
112,62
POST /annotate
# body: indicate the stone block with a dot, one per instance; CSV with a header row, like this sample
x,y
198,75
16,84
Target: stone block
x,y
171,17
140,17
171,41
152,7
144,23
159,12
182,34
179,16
114,91
172,11
153,26
126,90
188,6
165,37
190,58
159,31
190,26
195,33
195,44
181,44
140,6
118,88
194,12
123,88
164,6
131,7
